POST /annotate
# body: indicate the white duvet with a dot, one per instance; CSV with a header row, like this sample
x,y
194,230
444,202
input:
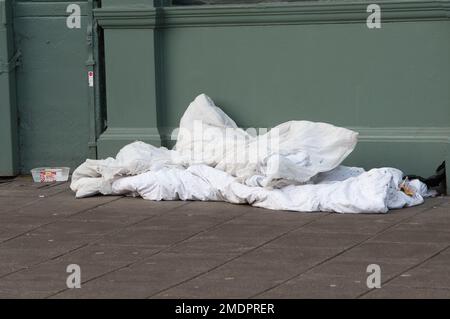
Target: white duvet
x,y
294,166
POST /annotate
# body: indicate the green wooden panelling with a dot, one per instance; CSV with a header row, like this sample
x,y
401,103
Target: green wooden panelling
x,y
8,112
52,85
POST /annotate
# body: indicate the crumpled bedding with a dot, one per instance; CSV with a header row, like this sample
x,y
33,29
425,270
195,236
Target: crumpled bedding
x,y
295,166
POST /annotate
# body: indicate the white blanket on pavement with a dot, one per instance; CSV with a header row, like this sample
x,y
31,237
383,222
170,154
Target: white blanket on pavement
x,y
295,166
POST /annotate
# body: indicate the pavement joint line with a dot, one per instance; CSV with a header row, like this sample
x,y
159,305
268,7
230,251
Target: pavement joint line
x,y
99,237
43,225
405,271
209,229
50,185
64,254
415,287
156,252
237,256
58,219
342,252
38,199
13,272
42,262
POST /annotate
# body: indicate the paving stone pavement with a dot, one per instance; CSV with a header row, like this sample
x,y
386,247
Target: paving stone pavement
x,y
132,248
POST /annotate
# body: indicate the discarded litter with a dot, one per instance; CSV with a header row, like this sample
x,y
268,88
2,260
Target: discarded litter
x,y
406,188
50,174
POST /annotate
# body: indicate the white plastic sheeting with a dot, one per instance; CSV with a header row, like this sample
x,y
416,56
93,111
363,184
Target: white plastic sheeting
x,y
294,166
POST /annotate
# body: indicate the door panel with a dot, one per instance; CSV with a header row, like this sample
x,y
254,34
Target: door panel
x,y
52,85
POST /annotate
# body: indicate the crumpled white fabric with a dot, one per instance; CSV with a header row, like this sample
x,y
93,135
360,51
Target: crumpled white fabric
x,y
225,163
295,152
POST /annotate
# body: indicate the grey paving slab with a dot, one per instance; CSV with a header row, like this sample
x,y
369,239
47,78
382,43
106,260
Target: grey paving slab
x,y
433,273
129,247
391,251
61,204
345,224
14,259
33,251
24,186
25,193
434,219
267,266
174,225
259,268
399,292
13,226
240,222
346,270
357,268
407,233
48,278
127,210
241,234
250,274
304,237
146,278
110,255
319,286
369,223
38,282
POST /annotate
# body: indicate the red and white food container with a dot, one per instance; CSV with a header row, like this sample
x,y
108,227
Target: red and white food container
x,y
50,174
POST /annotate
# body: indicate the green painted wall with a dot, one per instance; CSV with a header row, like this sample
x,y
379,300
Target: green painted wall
x,y
345,74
